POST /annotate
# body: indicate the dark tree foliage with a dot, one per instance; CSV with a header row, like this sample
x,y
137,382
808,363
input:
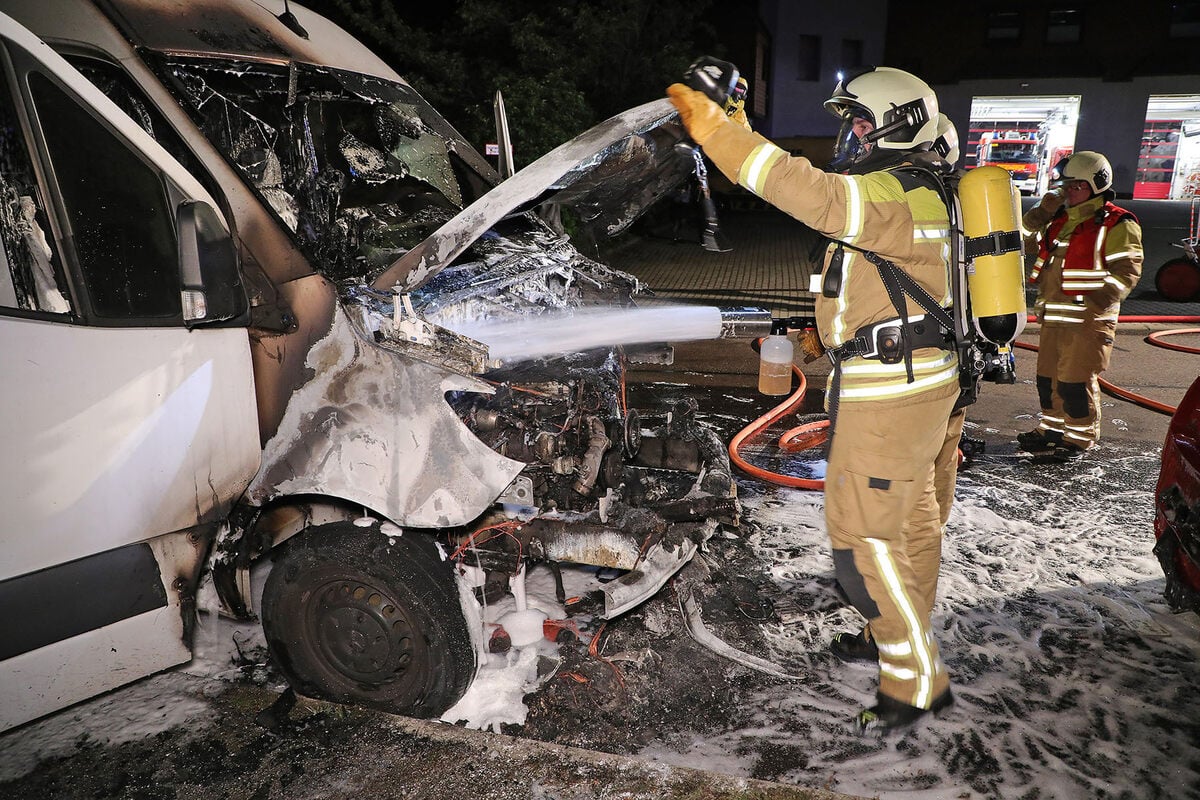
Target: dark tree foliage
x,y
561,66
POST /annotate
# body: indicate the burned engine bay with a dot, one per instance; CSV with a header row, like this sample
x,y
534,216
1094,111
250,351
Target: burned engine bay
x,y
361,171
604,483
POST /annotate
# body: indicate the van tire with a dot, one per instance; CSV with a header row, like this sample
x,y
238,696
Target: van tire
x,y
355,616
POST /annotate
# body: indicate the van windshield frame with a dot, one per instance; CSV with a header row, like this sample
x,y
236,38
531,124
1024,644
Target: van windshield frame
x,y
358,169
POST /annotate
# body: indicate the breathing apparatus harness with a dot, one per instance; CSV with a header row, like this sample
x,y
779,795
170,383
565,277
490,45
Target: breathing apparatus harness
x,y
894,340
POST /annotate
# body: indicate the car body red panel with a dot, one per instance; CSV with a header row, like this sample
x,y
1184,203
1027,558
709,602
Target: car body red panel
x,y
1177,505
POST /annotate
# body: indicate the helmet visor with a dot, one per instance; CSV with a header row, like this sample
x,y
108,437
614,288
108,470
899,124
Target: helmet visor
x,y
851,145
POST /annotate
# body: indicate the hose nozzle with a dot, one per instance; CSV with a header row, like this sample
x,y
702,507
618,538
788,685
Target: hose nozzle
x,y
745,323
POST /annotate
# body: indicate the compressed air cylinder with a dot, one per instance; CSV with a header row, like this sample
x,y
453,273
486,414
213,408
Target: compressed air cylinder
x,y
996,280
775,359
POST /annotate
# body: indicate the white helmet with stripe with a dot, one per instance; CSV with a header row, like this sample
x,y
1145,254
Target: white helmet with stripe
x,y
1088,166
901,108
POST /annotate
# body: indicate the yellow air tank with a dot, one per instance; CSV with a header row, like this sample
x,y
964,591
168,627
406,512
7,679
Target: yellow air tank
x,y
991,210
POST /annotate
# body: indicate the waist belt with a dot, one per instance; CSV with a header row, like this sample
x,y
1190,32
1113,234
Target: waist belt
x,y
886,342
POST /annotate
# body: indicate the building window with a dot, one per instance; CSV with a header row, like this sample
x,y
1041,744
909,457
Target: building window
x,y
762,75
852,54
1185,20
1064,26
808,67
1004,26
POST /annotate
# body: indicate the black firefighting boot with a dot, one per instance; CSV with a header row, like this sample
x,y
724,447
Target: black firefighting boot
x,y
854,647
1067,453
1039,441
889,715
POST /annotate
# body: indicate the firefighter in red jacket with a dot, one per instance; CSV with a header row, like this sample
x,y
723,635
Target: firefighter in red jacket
x,y
1089,259
894,388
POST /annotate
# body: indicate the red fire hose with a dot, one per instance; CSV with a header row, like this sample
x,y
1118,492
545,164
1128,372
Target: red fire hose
x,y
814,434
786,442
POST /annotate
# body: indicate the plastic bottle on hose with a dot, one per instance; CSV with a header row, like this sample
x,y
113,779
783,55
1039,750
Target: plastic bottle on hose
x,y
775,359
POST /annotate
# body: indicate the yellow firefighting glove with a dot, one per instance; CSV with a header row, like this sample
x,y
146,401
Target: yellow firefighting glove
x,y
739,116
1053,200
810,343
735,106
700,116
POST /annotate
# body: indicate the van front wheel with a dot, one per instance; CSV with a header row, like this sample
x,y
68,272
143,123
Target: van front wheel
x,y
355,616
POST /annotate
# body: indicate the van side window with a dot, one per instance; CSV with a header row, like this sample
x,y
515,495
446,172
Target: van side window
x,y
29,265
117,206
118,87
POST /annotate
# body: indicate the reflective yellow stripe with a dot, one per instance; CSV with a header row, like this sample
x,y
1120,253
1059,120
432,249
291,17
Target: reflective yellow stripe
x,y
900,388
855,210
921,650
1122,254
837,325
754,170
899,673
925,234
1098,257
899,649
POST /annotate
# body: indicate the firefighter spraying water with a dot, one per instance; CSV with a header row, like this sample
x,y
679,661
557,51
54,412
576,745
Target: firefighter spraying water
x,y
907,339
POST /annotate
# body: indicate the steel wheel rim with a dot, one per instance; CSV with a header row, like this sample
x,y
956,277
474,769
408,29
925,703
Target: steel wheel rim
x,y
361,633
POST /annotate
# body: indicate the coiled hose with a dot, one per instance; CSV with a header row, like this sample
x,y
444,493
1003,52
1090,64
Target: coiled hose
x,y
815,432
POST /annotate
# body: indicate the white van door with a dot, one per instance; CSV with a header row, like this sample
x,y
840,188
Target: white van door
x,y
125,437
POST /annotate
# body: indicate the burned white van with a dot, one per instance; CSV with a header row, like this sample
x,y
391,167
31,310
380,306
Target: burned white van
x,y
237,248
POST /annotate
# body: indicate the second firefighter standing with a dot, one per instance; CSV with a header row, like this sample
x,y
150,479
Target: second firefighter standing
x,y
1089,259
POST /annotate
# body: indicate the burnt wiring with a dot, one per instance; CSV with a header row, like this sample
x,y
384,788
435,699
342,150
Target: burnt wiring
x,y
507,528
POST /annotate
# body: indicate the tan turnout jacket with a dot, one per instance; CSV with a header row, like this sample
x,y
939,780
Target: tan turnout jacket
x,y
888,213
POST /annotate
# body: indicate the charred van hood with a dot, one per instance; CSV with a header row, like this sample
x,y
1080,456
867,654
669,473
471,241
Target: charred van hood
x,y
608,175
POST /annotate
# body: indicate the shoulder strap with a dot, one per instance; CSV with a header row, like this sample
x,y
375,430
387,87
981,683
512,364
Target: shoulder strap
x,y
1117,214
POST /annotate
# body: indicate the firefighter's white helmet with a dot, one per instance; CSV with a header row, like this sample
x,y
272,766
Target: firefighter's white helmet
x,y
946,143
901,107
1088,166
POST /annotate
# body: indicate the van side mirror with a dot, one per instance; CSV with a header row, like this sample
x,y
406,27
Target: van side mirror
x,y
210,282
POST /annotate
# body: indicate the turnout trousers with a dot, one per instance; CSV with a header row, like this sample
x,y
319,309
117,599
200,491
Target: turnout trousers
x,y
1070,360
888,489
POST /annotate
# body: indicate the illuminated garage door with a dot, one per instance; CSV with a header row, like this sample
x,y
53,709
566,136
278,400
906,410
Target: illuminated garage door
x,y
1169,161
1025,135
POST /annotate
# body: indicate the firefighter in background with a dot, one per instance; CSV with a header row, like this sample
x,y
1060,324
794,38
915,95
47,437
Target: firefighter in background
x,y
1089,259
892,427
